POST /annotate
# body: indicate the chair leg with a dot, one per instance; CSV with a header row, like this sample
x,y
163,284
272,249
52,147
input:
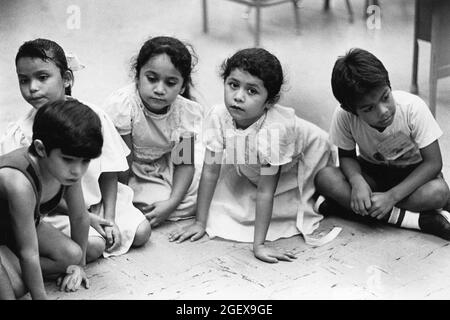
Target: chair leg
x,y
350,11
205,16
414,87
433,86
258,25
297,17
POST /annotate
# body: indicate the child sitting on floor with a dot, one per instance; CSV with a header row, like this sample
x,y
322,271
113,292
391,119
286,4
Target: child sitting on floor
x,y
33,180
155,117
44,76
260,162
396,177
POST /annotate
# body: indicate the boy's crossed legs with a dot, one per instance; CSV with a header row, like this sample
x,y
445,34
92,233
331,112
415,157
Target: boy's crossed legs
x,y
420,210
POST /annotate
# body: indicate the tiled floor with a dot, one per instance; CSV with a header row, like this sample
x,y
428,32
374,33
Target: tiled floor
x,y
364,262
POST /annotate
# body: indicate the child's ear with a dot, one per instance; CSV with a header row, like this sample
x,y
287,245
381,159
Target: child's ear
x,y
39,148
268,105
68,79
182,90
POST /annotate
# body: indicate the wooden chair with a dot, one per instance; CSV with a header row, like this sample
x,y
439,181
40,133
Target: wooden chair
x,y
326,7
257,4
432,24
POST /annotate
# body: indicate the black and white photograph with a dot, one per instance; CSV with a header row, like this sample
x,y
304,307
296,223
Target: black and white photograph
x,y
249,151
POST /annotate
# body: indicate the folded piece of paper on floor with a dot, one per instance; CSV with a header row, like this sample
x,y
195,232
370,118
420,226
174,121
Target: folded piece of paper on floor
x,y
319,240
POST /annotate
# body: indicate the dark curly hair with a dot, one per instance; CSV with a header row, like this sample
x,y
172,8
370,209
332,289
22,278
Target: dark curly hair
x,y
181,55
261,64
356,74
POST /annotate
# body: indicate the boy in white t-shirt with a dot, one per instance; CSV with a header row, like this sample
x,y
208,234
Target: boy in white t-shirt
x,y
396,176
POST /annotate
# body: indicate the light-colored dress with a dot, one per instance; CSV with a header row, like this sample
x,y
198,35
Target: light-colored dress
x,y
154,136
277,138
112,159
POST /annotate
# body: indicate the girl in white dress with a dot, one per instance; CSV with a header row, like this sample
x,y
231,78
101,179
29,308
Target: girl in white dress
x,y
159,123
116,225
260,162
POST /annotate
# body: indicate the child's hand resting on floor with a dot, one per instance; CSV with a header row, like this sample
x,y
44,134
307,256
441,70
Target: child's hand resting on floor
x,y
194,231
73,278
272,255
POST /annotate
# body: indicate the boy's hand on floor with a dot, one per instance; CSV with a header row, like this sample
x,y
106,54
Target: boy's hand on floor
x,y
272,255
113,237
74,277
360,201
193,232
382,204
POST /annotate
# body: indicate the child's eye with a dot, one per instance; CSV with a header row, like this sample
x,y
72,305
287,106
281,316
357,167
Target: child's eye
x,y
233,85
252,91
68,160
43,77
151,78
23,80
172,83
86,161
367,109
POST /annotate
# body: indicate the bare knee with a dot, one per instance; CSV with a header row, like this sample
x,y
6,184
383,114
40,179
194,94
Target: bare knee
x,y
143,233
95,248
11,266
437,192
327,179
68,254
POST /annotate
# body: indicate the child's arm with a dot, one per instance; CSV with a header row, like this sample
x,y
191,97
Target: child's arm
x,y
79,229
124,176
22,202
208,182
360,201
108,189
6,288
182,179
264,205
427,170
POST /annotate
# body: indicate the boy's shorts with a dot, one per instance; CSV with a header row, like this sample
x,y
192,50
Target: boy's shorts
x,y
385,177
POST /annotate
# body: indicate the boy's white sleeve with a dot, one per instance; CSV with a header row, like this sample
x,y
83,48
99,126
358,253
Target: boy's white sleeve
x,y
340,130
424,128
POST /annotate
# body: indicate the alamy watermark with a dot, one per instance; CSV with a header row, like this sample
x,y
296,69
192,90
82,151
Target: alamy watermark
x,y
373,20
262,148
74,17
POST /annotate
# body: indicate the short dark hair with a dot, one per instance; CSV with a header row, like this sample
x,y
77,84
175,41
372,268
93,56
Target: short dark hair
x,y
259,63
356,74
70,126
46,50
182,56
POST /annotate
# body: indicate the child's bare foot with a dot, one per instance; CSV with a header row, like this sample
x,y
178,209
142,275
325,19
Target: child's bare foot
x,y
435,222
